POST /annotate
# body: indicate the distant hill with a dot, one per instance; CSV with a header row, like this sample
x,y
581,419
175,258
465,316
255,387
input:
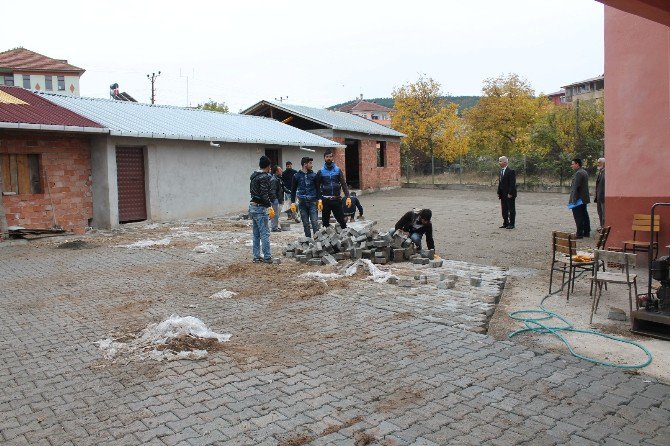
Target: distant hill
x,y
462,101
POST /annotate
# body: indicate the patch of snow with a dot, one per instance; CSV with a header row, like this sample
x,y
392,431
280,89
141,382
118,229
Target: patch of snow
x,y
161,334
223,294
320,276
378,275
151,226
206,248
147,243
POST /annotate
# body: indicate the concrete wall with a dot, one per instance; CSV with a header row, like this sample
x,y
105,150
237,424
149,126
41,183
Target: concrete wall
x,y
65,171
637,121
184,179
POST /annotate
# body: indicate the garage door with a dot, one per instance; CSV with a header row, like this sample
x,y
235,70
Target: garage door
x,y
130,181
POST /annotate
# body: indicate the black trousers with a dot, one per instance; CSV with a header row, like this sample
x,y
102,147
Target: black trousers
x,y
582,221
334,205
508,211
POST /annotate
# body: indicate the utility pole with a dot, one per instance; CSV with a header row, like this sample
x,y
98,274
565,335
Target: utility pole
x,y
152,78
281,98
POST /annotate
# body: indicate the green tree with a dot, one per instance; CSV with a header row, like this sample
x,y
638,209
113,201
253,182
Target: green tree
x,y
212,105
431,125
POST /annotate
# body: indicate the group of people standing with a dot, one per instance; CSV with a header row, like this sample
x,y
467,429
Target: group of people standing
x,y
312,191
579,195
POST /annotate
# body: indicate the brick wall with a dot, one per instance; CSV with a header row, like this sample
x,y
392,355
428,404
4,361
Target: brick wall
x,y
373,177
65,170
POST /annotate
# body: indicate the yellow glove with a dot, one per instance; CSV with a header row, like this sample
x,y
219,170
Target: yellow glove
x,y
271,213
294,208
348,202
436,257
319,205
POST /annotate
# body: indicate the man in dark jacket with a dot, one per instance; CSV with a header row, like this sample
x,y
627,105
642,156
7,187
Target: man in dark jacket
x,y
330,182
579,198
260,207
416,223
278,189
350,210
304,188
287,179
507,193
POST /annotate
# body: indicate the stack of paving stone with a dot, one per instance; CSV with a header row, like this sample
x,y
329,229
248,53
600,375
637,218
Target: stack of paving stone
x,y
331,244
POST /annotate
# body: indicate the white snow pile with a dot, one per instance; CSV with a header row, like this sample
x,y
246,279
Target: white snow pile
x,y
376,274
147,243
154,340
223,294
206,248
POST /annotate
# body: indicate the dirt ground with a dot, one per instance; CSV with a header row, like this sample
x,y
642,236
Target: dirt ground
x,y
466,228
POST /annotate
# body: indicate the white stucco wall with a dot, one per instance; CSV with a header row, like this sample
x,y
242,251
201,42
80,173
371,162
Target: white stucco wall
x,y
184,179
38,82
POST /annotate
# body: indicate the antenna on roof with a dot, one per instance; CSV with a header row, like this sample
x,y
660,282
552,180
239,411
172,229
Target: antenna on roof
x,y
281,98
152,78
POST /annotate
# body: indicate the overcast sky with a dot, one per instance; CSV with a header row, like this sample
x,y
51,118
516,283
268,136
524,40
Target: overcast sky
x,y
317,53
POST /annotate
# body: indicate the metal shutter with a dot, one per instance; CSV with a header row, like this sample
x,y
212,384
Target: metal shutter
x,y
130,181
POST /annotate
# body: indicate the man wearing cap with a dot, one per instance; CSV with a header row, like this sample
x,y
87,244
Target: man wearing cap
x,y
260,208
287,179
304,188
330,182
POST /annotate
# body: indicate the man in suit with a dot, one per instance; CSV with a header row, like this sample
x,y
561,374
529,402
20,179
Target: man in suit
x,y
599,199
580,191
507,193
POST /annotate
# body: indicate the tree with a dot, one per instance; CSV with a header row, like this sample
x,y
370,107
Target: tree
x,y
431,125
212,105
503,120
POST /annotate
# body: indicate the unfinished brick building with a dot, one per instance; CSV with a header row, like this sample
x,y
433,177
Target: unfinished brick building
x,y
371,159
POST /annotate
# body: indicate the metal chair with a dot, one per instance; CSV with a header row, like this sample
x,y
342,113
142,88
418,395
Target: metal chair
x,y
600,279
564,249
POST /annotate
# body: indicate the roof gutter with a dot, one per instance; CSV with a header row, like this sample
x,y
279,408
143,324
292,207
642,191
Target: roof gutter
x,y
52,128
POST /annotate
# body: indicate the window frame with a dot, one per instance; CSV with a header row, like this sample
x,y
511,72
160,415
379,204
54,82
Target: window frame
x,y
15,166
26,79
381,153
61,83
8,80
48,83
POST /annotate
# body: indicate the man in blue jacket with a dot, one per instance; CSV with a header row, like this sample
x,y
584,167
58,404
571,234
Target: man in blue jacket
x,y
330,182
304,187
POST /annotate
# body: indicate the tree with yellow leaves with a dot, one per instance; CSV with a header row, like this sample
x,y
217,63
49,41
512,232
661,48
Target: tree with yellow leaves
x,y
503,120
431,125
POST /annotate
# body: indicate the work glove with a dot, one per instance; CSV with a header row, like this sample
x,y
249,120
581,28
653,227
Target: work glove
x,y
436,257
271,213
319,205
348,202
294,208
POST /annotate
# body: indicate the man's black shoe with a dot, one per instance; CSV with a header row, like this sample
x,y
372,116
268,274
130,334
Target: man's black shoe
x,y
503,227
510,227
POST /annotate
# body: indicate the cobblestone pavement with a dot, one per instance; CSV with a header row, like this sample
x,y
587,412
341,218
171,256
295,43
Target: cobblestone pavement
x,y
341,368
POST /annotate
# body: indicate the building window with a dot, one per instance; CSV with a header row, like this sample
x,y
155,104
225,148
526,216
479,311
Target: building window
x,y
375,117
48,83
381,153
61,83
21,174
9,80
26,81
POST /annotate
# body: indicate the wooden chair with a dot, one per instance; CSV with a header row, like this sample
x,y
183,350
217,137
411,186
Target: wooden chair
x,y
603,235
600,279
642,225
564,248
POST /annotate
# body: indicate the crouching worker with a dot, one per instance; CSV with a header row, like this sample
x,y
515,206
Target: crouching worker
x,y
416,223
349,207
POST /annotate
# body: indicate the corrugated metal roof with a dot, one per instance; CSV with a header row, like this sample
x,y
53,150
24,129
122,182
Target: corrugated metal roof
x,y
23,59
335,120
362,105
597,78
19,106
167,122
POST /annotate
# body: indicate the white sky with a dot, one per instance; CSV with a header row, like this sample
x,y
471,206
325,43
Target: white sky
x,y
318,53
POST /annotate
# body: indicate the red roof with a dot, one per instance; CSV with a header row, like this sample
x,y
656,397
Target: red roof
x,y
21,59
24,107
361,105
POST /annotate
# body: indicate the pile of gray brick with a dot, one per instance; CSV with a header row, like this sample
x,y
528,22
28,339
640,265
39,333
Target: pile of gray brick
x,y
332,244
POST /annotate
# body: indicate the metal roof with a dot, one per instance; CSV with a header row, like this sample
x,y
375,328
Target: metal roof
x,y
335,120
22,109
585,81
168,122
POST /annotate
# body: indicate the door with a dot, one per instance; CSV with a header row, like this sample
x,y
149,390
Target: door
x,y
352,163
273,154
130,183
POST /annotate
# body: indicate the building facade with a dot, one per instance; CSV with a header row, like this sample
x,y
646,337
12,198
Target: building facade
x,y
27,69
593,88
369,110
